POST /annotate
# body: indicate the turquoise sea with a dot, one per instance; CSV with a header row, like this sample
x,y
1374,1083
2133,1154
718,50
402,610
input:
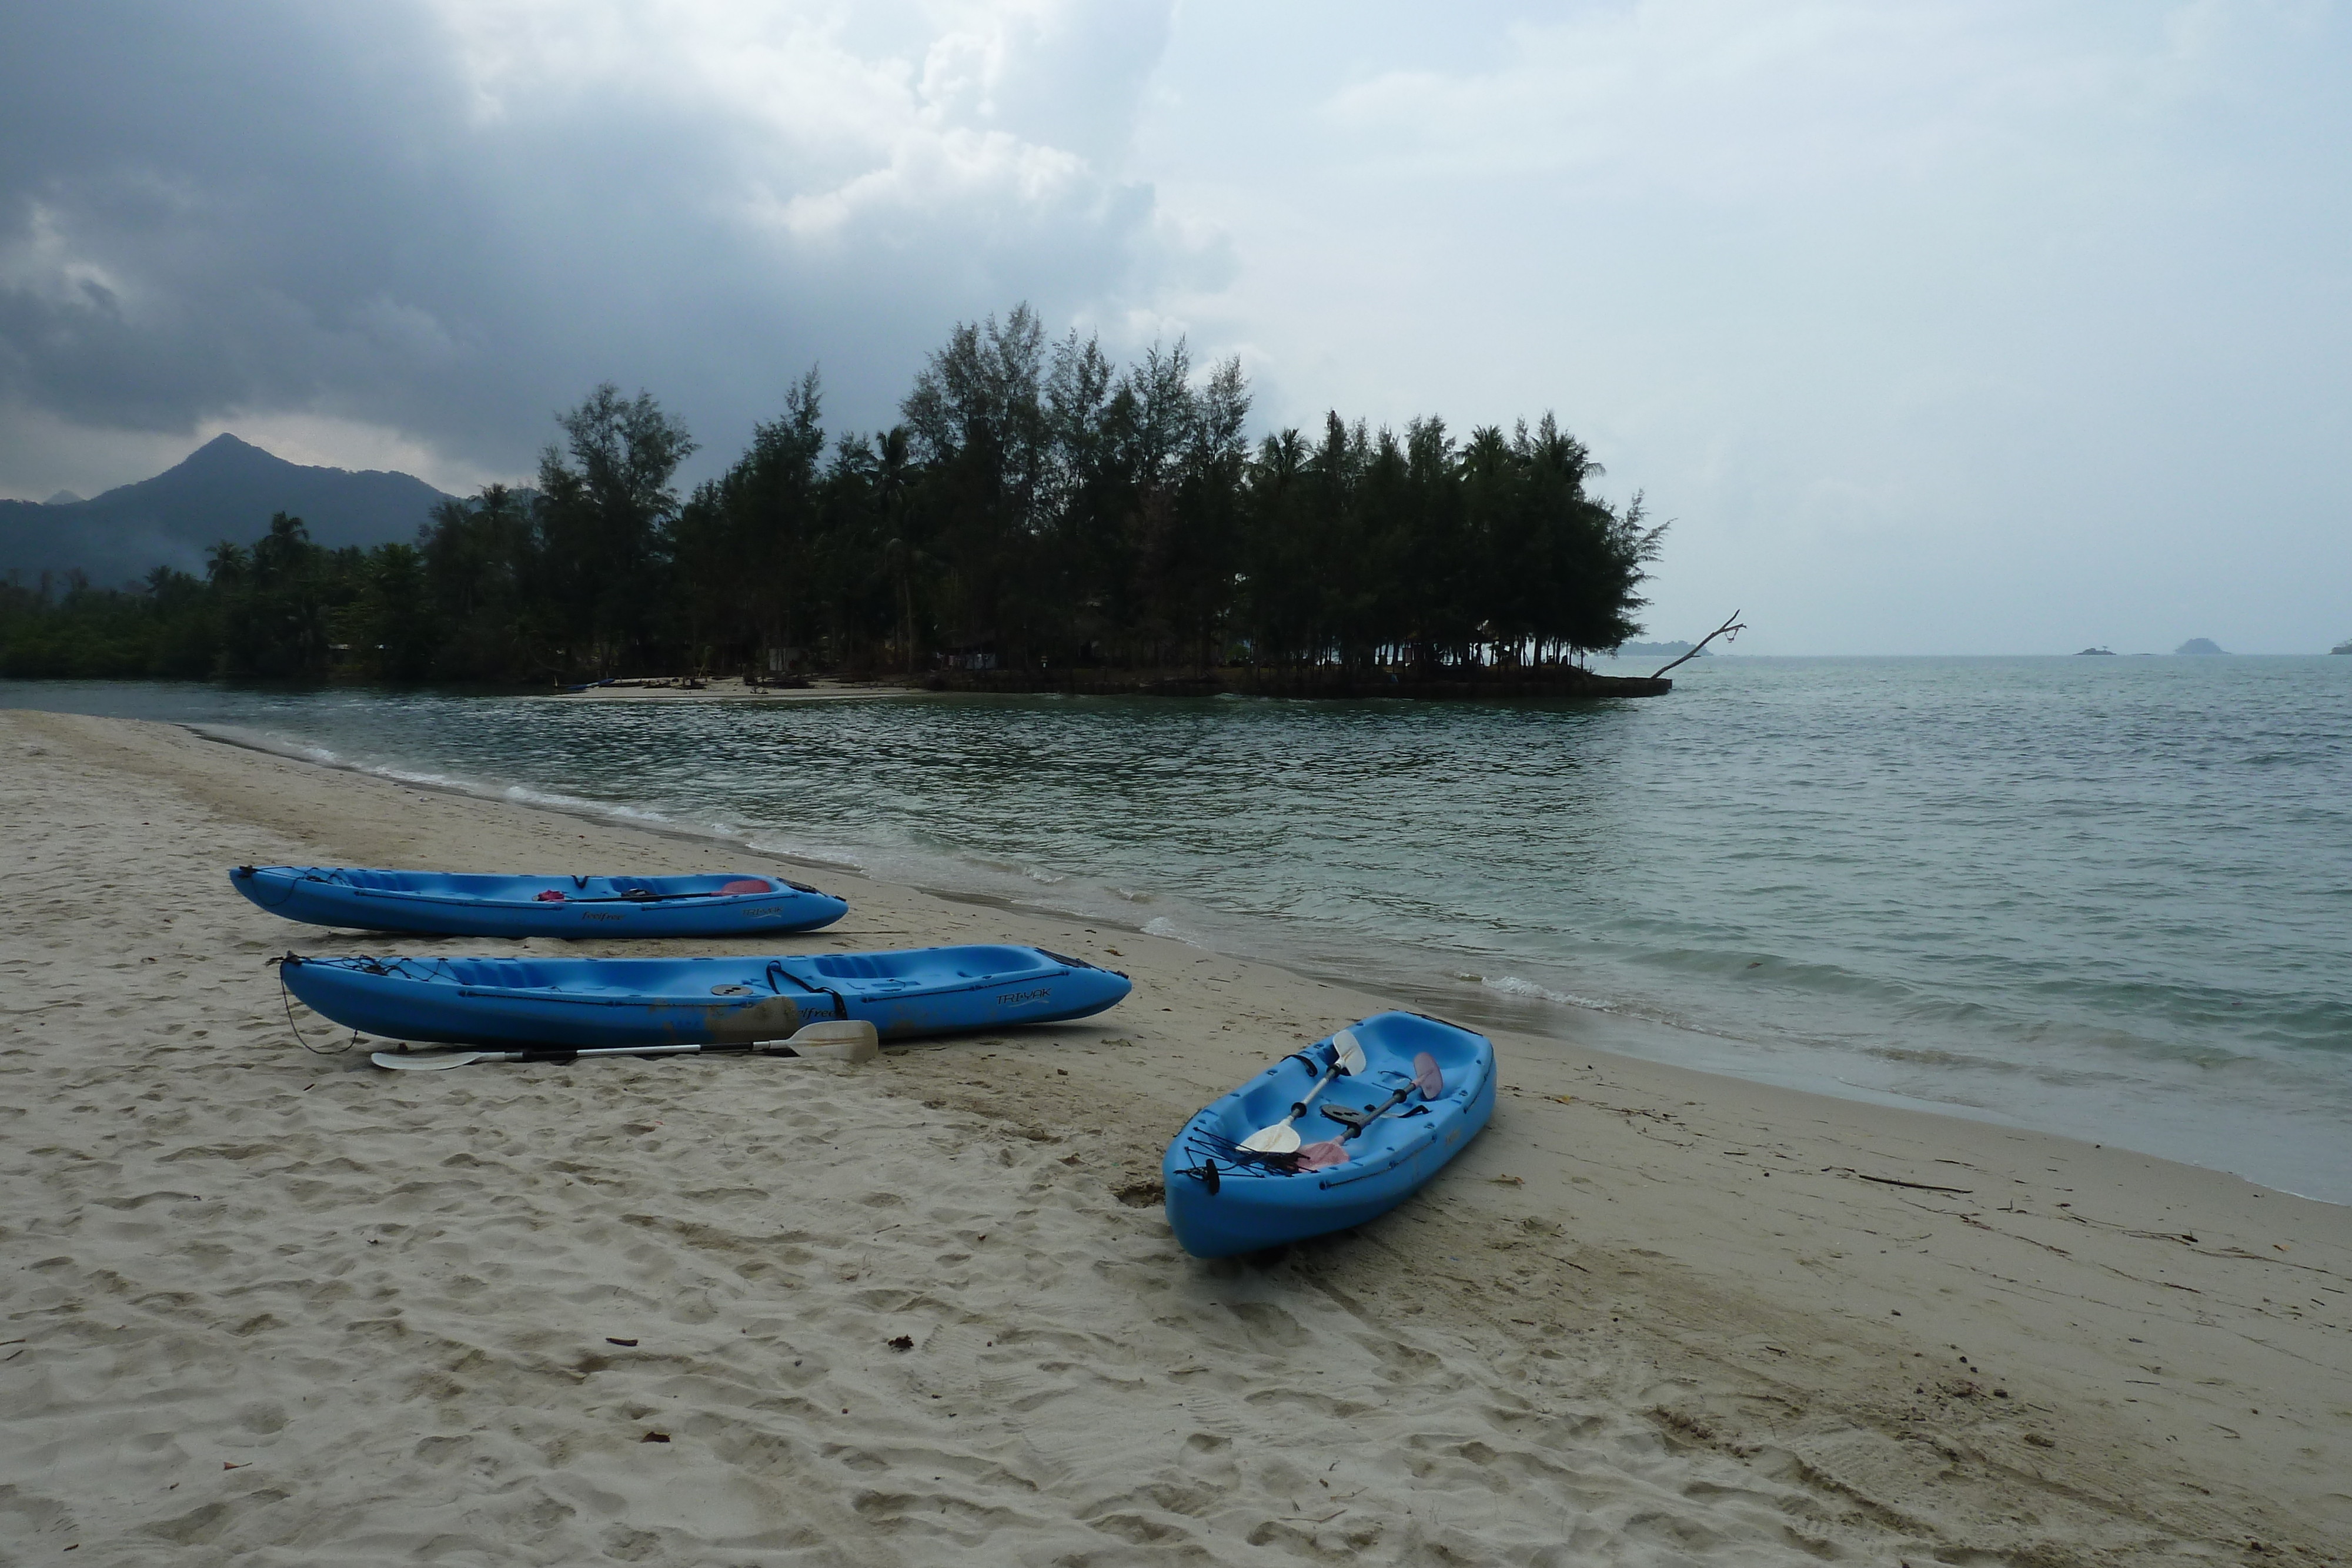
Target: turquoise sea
x,y
2106,897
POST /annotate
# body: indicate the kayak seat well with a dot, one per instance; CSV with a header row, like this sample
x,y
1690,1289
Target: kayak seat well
x,y
505,973
937,964
375,881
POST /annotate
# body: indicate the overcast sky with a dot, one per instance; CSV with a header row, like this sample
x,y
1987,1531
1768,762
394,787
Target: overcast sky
x,y
1938,328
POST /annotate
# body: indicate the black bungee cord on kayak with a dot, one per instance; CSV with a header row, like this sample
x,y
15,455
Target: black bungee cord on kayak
x,y
1215,1146
287,999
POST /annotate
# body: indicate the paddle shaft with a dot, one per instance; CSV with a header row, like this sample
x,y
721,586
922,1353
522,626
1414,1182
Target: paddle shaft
x,y
1355,1129
1422,1066
1328,1078
429,1061
827,1040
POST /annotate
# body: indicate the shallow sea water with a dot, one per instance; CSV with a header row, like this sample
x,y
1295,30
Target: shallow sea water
x,y
2106,897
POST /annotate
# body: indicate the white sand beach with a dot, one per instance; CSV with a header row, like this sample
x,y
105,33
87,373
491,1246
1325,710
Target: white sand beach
x,y
265,1306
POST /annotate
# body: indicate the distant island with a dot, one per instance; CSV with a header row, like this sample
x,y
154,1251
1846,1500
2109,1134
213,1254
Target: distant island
x,y
2200,647
2110,653
1041,518
2343,647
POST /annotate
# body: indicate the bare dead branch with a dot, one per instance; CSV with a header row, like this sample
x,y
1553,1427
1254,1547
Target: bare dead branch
x,y
1731,628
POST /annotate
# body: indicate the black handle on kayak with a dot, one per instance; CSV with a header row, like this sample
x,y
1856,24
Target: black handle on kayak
x,y
776,967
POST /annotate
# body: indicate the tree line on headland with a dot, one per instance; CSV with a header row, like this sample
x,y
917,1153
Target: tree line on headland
x,y
1038,507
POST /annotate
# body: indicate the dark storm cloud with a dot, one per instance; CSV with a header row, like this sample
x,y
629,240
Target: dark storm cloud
x,y
265,206
203,207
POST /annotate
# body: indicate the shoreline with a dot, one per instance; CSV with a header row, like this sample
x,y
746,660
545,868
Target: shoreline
x,y
1515,1007
1578,685
1646,1297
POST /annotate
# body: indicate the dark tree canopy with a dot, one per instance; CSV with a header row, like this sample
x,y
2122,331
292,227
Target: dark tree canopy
x,y
1037,505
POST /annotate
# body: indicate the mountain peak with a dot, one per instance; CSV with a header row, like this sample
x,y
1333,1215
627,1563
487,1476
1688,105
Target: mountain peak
x,y
226,489
226,451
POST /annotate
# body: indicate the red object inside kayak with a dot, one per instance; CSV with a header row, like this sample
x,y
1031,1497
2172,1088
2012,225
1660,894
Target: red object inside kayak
x,y
749,885
550,897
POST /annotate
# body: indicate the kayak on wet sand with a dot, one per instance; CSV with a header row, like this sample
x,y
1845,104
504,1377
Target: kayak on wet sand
x,y
604,1003
1330,1137
468,904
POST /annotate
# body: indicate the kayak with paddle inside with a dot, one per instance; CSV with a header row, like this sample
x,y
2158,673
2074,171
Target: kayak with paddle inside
x,y
468,903
1330,1137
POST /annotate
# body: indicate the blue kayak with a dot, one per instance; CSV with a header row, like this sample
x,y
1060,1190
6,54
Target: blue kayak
x,y
461,904
581,1004
1371,1138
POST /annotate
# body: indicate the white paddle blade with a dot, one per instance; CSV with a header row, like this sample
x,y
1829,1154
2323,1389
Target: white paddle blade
x,y
1278,1139
1426,1078
1349,1051
838,1039
439,1061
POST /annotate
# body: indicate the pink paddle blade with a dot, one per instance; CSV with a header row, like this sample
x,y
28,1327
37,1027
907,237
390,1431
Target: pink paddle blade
x,y
1320,1156
749,885
550,897
1426,1078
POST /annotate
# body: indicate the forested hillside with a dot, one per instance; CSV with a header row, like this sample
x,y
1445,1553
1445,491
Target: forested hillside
x,y
1037,505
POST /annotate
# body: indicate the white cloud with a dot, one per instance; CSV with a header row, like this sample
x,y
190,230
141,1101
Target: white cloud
x,y
835,115
44,262
926,171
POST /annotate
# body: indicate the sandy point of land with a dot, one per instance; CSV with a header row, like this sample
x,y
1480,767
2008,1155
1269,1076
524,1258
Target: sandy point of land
x,y
266,1306
733,688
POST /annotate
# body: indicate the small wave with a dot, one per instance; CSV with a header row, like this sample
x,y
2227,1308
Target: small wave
x,y
1512,986
836,859
1163,926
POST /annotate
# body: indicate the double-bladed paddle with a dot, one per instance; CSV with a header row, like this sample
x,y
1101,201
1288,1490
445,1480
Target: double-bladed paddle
x,y
1425,1077
830,1040
1346,1059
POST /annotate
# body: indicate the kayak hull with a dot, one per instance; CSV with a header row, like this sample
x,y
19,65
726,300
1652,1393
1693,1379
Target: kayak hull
x,y
1219,1207
461,904
590,1003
